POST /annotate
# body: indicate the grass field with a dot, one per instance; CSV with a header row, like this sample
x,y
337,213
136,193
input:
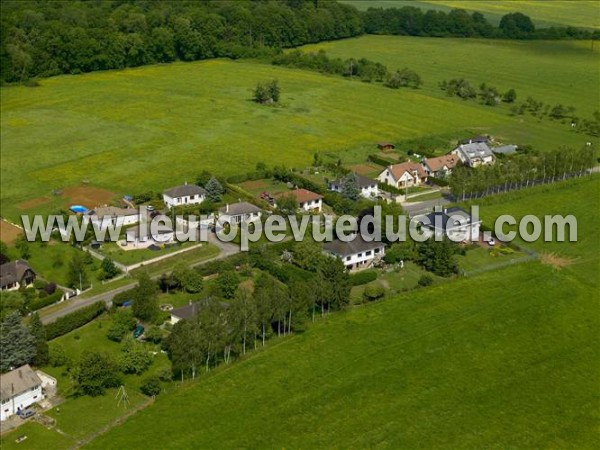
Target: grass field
x,y
507,359
195,116
544,13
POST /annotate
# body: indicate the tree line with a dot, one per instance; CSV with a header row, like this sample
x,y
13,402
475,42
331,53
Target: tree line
x,y
362,69
523,170
41,39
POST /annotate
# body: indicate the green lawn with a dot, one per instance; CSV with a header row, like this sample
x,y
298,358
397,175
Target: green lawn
x,y
506,359
195,116
544,13
128,257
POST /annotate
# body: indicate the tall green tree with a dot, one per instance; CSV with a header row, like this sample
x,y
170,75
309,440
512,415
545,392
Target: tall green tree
x,y
214,190
145,299
243,316
350,189
38,331
96,372
77,276
17,343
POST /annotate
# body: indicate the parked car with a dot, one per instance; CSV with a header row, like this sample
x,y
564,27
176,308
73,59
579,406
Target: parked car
x,y
139,330
27,413
491,242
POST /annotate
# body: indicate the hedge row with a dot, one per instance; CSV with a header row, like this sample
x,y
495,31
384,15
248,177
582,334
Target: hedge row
x,y
285,273
438,181
301,182
246,196
389,188
380,161
364,277
76,319
39,303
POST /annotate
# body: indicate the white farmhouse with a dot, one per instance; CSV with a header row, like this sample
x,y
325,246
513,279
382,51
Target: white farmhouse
x,y
20,388
239,212
357,253
368,188
454,223
475,154
403,175
187,194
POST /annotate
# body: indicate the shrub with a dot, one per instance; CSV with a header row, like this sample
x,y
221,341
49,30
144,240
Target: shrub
x,y
58,356
364,277
438,181
425,280
122,322
123,297
373,292
76,319
41,302
39,284
151,386
154,334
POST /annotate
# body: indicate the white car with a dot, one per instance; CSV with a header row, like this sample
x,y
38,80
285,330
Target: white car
x,y
491,242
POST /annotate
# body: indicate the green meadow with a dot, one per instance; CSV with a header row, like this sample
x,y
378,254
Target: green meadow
x,y
506,359
544,13
153,127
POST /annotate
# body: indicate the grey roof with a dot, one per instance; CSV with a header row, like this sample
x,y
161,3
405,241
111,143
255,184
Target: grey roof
x,y
192,310
362,182
505,149
112,211
444,215
185,190
14,271
475,150
357,245
475,140
236,209
18,381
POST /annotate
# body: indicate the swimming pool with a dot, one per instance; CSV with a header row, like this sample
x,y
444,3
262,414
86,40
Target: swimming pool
x,y
78,209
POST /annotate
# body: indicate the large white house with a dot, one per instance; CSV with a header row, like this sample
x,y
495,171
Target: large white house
x,y
187,194
368,188
16,274
454,223
112,216
475,154
403,175
308,201
239,212
357,253
19,389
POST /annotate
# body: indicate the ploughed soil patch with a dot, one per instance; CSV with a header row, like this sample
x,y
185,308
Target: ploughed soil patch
x,y
8,232
254,184
88,196
34,202
555,260
364,169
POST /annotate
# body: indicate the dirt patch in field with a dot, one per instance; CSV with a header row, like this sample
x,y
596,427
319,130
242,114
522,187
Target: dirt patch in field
x,y
88,196
33,203
556,261
254,184
8,232
363,169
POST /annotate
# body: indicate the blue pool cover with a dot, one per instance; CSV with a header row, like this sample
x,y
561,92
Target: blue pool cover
x,y
78,209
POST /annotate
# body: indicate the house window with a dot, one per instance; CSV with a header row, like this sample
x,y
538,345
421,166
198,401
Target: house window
x,y
359,255
368,253
348,258
376,250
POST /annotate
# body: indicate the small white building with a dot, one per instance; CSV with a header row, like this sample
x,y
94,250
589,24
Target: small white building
x,y
239,212
368,188
357,253
475,154
403,175
187,194
308,201
112,216
455,223
20,388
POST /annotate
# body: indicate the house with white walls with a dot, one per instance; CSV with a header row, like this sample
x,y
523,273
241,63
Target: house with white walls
x,y
403,175
454,223
368,188
19,388
186,194
236,213
357,253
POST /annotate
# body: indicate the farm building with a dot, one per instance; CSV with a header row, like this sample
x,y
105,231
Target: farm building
x,y
368,188
403,175
357,253
187,194
19,389
238,213
112,216
308,201
475,154
454,223
441,166
386,146
16,274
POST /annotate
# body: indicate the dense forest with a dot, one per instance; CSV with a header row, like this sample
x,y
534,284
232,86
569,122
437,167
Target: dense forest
x,y
43,38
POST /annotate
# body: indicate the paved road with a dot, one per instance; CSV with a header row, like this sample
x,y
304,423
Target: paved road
x,y
412,209
69,306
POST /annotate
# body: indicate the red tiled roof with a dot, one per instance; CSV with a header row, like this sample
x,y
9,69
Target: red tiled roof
x,y
436,164
398,170
302,195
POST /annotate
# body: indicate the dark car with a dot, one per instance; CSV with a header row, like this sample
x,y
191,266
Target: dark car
x,y
139,330
26,414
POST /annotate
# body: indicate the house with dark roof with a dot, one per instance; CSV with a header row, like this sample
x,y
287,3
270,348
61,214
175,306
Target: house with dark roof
x,y
357,253
239,212
16,274
440,166
403,175
475,154
19,389
308,201
186,194
454,223
368,188
192,309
